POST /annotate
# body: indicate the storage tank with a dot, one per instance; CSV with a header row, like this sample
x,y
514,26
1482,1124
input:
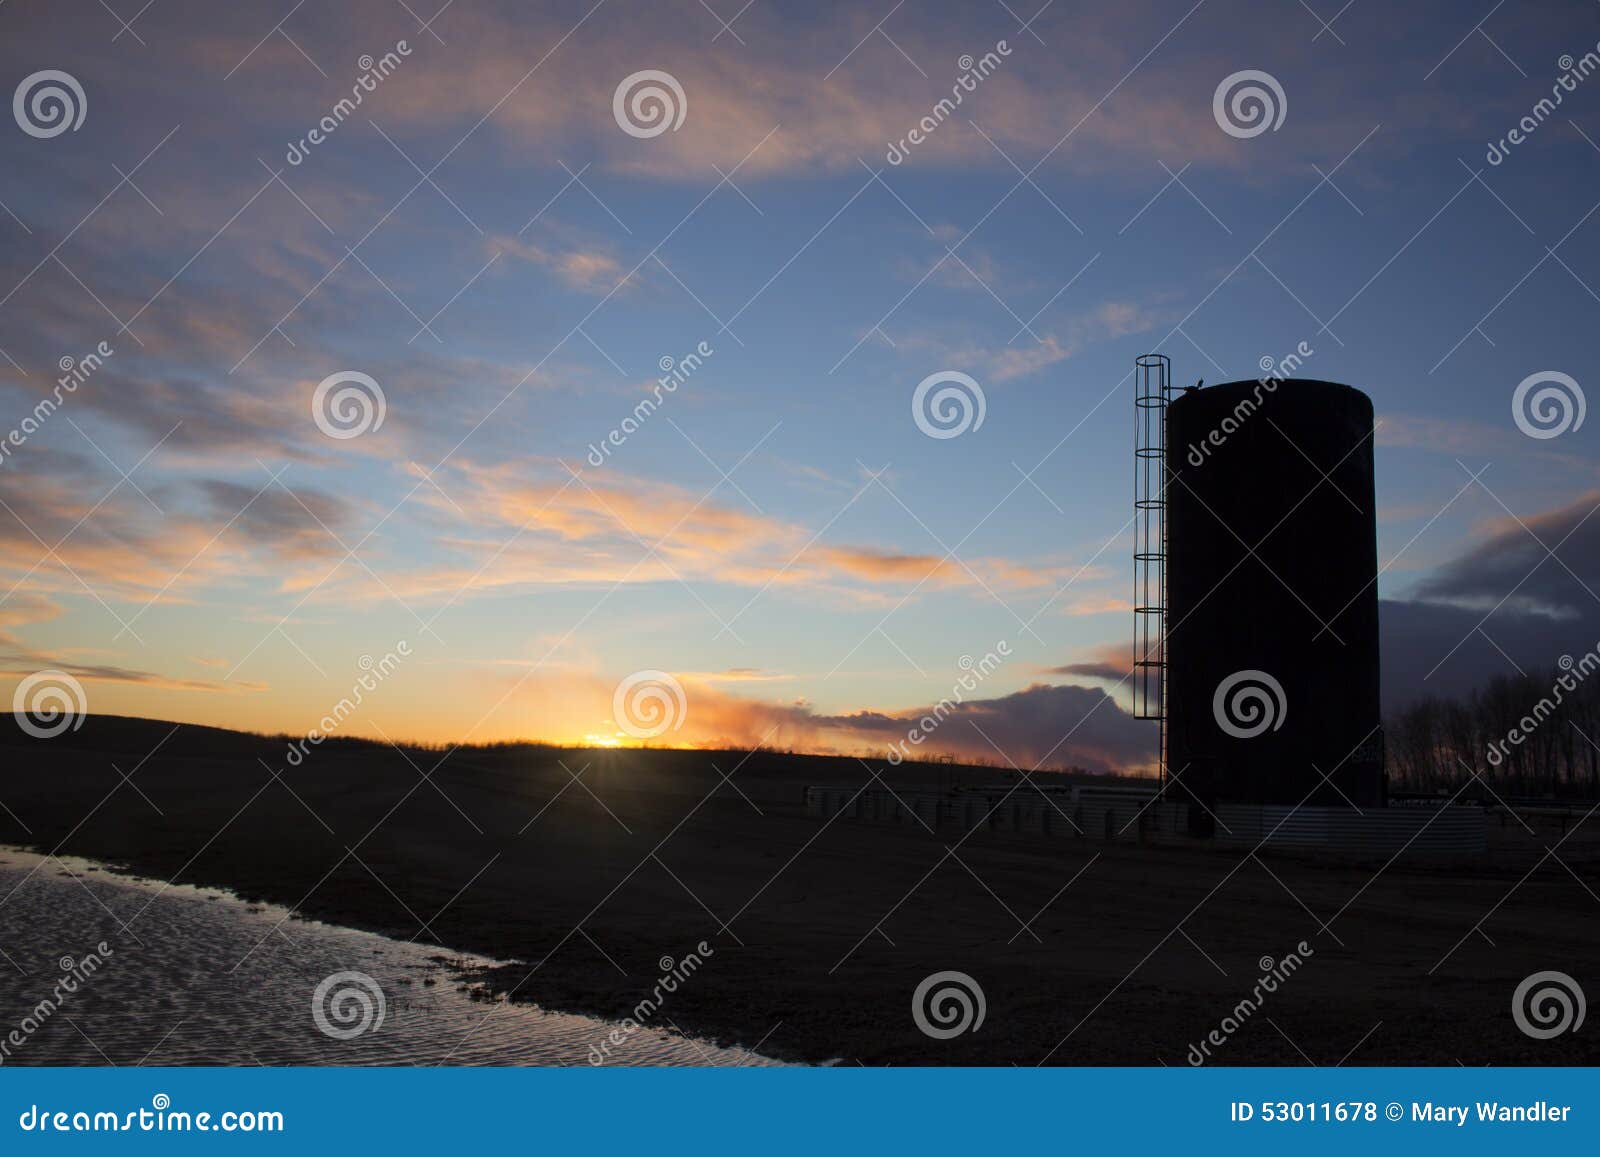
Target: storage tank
x,y
1271,644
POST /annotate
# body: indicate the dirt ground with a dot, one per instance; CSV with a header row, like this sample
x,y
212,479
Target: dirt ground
x,y
590,867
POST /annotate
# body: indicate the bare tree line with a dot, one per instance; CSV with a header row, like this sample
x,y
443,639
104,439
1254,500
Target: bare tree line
x,y
1536,733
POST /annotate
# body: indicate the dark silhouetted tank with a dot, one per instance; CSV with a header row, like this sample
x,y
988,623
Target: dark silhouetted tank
x,y
1272,602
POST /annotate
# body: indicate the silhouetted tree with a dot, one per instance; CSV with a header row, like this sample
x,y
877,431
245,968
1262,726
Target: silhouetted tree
x,y
1532,733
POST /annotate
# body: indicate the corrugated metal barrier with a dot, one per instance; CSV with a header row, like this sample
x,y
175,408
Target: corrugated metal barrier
x,y
1431,831
1088,813
1129,814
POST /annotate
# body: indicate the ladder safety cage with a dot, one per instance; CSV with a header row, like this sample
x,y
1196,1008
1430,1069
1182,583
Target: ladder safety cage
x,y
1152,383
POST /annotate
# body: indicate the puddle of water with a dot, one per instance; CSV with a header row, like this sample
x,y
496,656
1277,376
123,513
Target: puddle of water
x,y
200,977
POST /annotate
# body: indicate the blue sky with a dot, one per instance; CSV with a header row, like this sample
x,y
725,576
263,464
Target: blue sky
x,y
1082,206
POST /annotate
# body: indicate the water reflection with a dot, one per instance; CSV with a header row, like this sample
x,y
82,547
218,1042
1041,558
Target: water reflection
x,y
98,968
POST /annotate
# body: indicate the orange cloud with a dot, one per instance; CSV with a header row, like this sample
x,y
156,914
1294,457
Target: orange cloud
x,y
607,527
878,565
1098,605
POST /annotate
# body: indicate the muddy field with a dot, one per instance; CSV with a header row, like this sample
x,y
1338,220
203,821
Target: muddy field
x,y
595,867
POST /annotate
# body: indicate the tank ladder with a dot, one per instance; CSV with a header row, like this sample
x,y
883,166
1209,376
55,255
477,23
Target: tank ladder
x,y
1152,383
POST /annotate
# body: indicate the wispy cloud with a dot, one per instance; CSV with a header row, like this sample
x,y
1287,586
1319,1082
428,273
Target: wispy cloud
x,y
590,271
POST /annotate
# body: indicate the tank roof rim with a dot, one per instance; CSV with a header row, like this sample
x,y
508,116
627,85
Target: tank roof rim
x,y
1281,381
1287,387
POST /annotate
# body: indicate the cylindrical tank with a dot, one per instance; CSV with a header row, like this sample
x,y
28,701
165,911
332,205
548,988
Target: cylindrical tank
x,y
1272,598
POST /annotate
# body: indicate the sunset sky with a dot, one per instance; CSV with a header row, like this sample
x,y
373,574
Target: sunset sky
x,y
485,241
